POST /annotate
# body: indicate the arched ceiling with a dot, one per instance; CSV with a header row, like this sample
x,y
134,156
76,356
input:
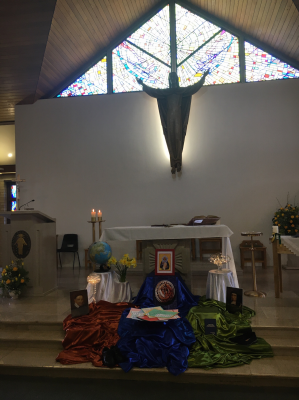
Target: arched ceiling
x,y
46,44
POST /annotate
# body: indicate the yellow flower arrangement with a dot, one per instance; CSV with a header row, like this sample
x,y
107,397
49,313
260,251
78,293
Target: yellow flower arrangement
x,y
122,265
287,220
14,277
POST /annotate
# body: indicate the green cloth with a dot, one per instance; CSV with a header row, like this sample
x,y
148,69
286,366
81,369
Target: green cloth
x,y
214,351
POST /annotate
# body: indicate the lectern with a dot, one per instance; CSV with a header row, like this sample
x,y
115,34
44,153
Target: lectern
x,y
31,235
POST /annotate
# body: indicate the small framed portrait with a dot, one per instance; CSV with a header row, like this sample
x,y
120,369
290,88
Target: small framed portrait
x,y
165,262
234,300
79,303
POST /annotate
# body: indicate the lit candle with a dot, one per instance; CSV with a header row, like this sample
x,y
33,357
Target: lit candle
x,y
274,229
93,216
100,215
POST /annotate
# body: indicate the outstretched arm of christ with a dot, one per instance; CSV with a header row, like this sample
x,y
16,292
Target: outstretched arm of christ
x,y
156,93
190,90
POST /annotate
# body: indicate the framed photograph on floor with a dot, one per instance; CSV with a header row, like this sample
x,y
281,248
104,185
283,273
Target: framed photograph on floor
x,y
234,300
79,303
165,262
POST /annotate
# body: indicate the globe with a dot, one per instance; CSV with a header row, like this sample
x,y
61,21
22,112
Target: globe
x,y
99,252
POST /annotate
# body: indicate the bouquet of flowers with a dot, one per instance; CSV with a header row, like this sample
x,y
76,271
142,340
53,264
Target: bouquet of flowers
x,y
287,219
14,277
122,265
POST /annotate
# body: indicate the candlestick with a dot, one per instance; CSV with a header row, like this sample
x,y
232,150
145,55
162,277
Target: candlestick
x,y
275,229
93,216
99,215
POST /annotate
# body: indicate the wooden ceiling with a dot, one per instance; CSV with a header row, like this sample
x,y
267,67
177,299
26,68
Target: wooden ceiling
x,y
46,44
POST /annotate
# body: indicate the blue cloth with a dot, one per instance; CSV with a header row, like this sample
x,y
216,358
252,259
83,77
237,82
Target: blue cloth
x,y
157,344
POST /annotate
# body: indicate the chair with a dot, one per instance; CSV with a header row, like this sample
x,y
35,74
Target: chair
x,y
69,245
209,250
259,250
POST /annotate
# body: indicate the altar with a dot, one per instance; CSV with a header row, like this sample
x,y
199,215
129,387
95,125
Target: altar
x,y
177,237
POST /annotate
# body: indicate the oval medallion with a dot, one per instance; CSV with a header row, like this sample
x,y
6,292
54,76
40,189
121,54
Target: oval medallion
x,y
21,244
164,291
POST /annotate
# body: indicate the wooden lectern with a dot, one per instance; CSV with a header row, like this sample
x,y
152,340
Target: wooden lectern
x,y
31,235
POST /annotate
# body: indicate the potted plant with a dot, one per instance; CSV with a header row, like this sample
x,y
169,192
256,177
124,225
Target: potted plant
x,y
122,265
287,219
14,278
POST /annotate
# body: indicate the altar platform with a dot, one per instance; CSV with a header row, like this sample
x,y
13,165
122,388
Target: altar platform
x,y
31,334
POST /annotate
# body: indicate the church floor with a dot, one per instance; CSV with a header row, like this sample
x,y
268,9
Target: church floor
x,y
31,334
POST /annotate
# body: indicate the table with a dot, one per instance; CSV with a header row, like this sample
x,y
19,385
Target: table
x,y
288,245
175,232
217,283
109,289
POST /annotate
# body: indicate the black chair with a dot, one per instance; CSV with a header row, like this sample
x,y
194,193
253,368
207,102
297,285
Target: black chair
x,y
69,245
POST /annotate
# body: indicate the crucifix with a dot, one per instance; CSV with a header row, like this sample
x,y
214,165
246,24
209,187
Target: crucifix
x,y
174,107
18,181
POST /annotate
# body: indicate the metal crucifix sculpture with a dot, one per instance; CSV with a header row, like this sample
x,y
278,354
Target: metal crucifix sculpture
x,y
174,107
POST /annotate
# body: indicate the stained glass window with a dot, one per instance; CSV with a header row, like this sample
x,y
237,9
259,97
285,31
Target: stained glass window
x,y
13,191
200,45
94,81
11,195
192,32
145,55
154,36
220,55
128,63
261,66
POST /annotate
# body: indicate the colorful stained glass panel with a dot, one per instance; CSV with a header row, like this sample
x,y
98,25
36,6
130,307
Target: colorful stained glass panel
x,y
154,36
94,81
129,63
220,55
261,66
13,191
192,32
13,206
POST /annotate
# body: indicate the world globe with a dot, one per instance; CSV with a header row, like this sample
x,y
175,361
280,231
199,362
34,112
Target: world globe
x,y
99,252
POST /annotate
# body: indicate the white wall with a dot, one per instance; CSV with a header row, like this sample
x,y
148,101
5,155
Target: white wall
x,y
7,144
108,152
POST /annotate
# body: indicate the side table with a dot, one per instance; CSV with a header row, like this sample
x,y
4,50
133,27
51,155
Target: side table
x,y
218,281
109,289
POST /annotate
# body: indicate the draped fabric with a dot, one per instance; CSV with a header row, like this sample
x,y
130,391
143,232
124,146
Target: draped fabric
x,y
185,299
86,336
157,344
211,351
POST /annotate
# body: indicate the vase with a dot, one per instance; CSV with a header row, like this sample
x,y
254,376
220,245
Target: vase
x,y
123,278
13,294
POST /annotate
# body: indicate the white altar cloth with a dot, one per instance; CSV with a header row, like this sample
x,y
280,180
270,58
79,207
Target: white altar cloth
x,y
176,232
217,283
109,289
291,243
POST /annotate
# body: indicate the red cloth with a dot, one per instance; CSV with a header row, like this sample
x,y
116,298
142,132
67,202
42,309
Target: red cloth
x,y
86,336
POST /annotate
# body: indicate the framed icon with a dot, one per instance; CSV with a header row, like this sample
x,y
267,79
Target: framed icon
x,y
79,303
234,300
165,262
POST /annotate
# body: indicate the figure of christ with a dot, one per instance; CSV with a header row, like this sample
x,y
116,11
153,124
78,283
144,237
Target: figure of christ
x,y
174,108
20,243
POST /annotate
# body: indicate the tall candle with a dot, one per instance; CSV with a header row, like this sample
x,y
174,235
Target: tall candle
x,y
100,215
93,216
274,229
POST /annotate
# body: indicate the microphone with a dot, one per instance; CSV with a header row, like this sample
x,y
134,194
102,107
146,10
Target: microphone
x,y
26,204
